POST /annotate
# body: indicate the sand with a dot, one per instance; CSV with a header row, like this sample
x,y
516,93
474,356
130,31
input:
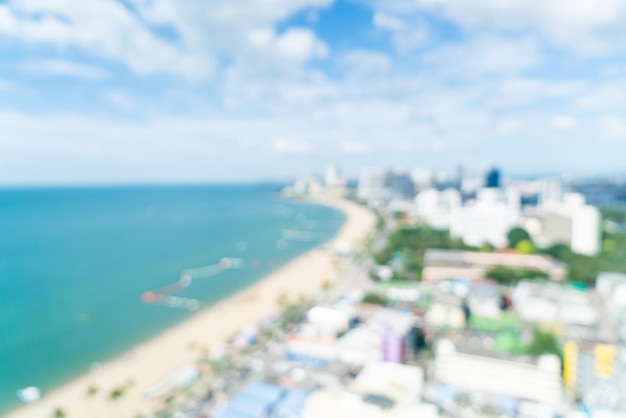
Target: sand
x,y
150,363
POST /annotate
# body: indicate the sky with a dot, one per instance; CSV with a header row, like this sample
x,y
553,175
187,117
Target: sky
x,y
133,91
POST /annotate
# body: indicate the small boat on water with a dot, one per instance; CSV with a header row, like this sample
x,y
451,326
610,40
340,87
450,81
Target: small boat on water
x,y
30,394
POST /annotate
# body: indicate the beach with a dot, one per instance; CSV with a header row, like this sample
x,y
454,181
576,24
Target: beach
x,y
150,363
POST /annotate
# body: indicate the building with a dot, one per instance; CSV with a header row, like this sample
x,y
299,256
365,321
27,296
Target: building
x,y
372,184
451,264
594,370
466,369
488,219
333,178
435,207
492,178
573,223
550,190
548,302
400,185
423,179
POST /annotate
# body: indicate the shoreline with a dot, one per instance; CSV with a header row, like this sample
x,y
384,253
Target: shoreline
x,y
148,363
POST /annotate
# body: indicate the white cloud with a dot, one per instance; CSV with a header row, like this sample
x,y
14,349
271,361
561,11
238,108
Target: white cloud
x,y
508,127
388,22
585,26
122,101
354,147
102,28
206,31
486,56
361,62
64,68
564,122
612,127
300,45
290,146
407,33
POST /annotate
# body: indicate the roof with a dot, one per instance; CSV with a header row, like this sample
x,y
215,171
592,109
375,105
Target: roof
x,y
291,405
399,382
253,401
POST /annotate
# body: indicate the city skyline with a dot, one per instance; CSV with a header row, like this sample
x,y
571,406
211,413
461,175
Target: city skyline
x,y
132,91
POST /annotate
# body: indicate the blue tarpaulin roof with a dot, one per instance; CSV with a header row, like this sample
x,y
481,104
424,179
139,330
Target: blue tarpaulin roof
x,y
291,405
248,404
231,413
263,390
253,401
507,404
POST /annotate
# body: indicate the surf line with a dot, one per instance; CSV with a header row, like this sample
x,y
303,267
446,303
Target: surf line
x,y
167,295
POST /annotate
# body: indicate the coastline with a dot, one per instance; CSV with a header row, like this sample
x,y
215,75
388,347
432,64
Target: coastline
x,y
150,362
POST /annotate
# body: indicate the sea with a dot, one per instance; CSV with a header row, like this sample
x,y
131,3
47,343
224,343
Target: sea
x,y
75,262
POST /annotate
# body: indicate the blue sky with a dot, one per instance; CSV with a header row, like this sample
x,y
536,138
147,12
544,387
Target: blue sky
x,y
124,91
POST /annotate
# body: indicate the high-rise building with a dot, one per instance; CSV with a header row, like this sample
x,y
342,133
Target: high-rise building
x,y
372,184
550,190
400,185
492,178
572,222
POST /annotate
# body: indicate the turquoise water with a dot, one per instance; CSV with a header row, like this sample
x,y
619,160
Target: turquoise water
x,y
74,263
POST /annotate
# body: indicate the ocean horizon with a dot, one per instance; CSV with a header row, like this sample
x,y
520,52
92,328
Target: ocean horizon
x,y
76,263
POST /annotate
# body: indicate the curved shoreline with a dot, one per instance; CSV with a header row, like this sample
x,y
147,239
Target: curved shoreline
x,y
150,362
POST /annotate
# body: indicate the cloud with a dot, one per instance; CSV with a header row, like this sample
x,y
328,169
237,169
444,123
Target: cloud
x,y
584,26
564,122
407,33
612,127
361,62
205,32
300,45
292,147
388,22
354,147
122,101
64,68
486,56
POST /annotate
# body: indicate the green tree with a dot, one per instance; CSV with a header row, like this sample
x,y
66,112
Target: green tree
x,y
517,235
374,299
507,276
543,343
413,243
59,413
581,268
525,247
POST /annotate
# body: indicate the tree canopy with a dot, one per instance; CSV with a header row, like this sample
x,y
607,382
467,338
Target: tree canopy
x,y
517,235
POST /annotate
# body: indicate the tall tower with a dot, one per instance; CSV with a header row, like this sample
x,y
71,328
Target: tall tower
x,y
492,179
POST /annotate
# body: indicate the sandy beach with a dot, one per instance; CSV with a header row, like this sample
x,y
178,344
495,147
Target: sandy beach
x,y
151,362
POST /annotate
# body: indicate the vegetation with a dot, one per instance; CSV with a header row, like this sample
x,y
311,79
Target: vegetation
x,y
507,276
525,247
614,215
380,222
516,236
59,413
374,299
543,343
413,243
292,312
613,257
581,268
92,391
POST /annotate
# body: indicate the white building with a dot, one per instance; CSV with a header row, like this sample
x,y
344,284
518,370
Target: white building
x,y
535,381
333,178
572,222
550,190
372,184
489,220
436,207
